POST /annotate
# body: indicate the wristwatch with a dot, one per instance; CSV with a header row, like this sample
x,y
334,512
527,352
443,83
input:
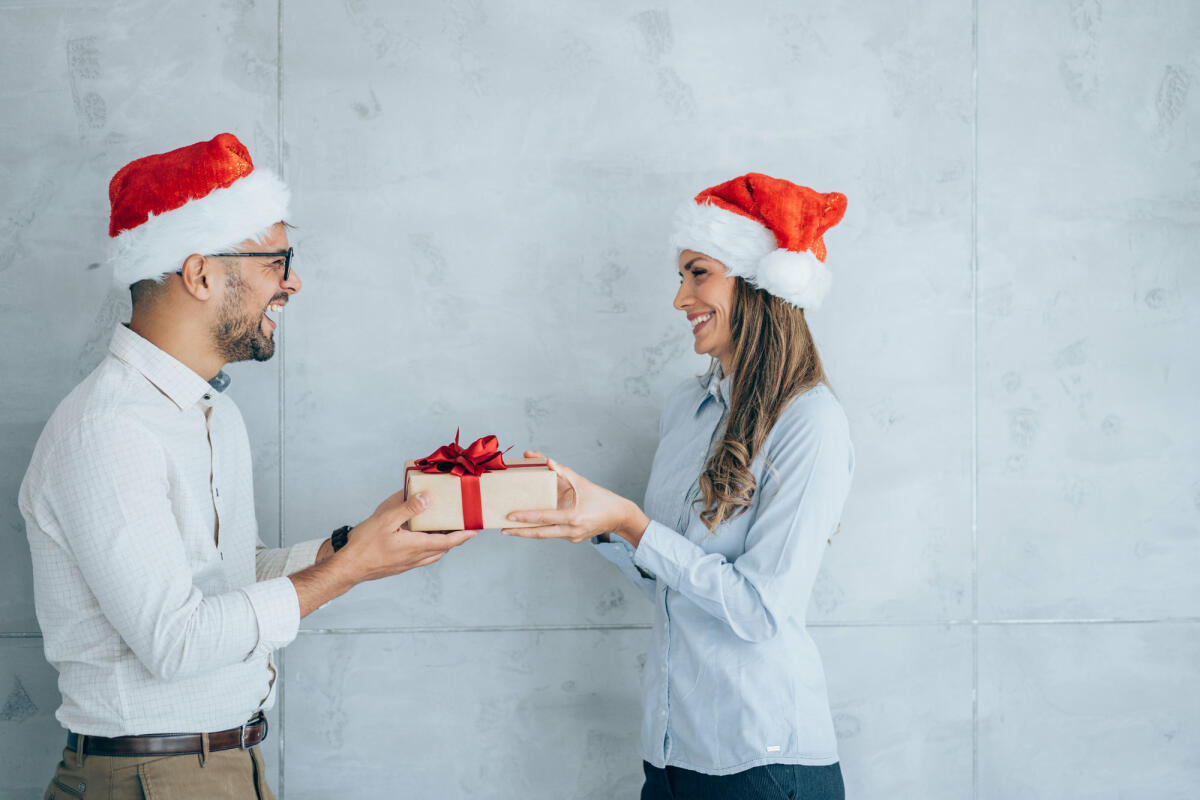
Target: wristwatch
x,y
339,537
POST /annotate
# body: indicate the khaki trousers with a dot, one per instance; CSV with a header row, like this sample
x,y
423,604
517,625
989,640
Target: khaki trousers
x,y
228,774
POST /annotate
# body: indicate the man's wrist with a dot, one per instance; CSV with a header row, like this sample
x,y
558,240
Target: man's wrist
x,y
323,581
325,551
346,565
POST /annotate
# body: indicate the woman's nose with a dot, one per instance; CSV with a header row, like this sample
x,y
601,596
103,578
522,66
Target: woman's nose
x,y
683,296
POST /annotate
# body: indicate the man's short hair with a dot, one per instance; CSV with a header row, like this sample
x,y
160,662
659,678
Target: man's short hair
x,y
147,291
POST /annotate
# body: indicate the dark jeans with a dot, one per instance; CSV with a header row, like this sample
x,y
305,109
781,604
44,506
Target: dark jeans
x,y
768,782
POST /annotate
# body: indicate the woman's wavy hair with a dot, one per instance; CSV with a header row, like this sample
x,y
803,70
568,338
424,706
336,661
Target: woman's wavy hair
x,y
774,360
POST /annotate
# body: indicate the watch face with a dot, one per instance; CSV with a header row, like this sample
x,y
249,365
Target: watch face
x,y
339,537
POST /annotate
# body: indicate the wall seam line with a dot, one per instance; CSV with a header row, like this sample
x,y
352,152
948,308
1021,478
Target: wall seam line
x,y
948,623
282,655
975,400
955,623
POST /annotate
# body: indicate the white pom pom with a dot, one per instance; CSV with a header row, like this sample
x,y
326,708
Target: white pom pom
x,y
797,277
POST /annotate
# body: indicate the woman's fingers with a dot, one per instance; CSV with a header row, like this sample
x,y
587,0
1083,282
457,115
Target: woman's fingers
x,y
583,509
543,532
569,480
567,474
547,517
534,454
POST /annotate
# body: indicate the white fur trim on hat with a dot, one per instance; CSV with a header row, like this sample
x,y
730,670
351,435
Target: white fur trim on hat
x,y
736,241
217,222
749,249
795,276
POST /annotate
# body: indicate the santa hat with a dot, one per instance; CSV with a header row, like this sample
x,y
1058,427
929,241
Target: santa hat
x,y
766,230
203,198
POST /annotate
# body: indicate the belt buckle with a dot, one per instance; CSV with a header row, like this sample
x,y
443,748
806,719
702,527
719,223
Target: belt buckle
x,y
257,719
242,737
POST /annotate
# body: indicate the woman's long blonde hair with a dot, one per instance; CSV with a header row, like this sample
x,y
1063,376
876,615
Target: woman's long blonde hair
x,y
774,359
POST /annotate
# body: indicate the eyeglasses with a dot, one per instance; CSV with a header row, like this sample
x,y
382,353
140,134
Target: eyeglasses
x,y
286,255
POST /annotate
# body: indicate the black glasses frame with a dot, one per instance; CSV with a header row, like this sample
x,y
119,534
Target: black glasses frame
x,y
285,254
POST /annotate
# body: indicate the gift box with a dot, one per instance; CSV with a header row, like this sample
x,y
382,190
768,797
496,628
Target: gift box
x,y
475,487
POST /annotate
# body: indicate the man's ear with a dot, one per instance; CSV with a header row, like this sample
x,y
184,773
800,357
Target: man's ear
x,y
199,276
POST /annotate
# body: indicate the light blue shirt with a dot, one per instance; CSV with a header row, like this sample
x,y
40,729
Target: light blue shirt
x,y
732,678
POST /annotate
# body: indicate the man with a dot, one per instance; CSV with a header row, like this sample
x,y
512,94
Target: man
x,y
159,605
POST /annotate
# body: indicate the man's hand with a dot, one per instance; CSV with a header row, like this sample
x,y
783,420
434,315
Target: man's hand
x,y
383,545
380,546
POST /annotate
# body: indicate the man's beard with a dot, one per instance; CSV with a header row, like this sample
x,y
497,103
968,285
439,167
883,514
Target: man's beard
x,y
238,336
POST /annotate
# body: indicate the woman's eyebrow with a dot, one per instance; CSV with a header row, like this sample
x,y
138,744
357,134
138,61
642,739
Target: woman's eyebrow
x,y
689,264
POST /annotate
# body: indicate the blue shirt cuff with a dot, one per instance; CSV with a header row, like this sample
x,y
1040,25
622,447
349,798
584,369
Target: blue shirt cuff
x,y
665,553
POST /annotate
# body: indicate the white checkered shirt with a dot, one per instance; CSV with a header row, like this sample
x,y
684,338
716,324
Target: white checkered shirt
x,y
159,605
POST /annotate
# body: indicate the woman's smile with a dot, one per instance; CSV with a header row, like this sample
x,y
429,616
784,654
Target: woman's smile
x,y
698,321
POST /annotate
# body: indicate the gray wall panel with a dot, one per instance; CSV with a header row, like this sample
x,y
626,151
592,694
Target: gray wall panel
x,y
1089,711
1089,492
32,738
533,714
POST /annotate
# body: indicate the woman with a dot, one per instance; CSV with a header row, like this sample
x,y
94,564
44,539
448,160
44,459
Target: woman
x,y
752,469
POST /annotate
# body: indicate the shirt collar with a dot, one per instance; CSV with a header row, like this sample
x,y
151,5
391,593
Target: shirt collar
x,y
716,386
171,377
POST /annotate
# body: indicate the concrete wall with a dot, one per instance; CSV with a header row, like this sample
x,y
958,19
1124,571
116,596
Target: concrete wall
x,y
1011,608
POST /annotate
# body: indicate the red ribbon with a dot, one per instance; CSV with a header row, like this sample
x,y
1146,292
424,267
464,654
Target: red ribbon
x,y
468,463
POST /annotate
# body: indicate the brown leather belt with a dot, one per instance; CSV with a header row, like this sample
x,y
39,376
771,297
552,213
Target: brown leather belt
x,y
171,744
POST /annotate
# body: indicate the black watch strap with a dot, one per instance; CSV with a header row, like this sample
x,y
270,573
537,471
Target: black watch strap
x,y
339,537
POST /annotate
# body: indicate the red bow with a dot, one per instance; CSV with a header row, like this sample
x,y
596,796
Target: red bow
x,y
480,456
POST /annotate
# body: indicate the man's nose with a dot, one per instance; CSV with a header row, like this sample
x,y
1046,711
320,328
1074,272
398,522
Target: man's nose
x,y
293,282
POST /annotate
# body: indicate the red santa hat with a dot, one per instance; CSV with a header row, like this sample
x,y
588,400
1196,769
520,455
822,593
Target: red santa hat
x,y
203,198
766,230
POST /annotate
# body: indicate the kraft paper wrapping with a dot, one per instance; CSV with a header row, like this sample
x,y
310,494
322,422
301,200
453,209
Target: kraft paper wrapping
x,y
501,492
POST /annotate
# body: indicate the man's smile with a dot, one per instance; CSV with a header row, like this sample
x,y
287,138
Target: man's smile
x,y
269,323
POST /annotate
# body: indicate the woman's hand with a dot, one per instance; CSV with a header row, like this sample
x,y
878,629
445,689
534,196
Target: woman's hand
x,y
584,510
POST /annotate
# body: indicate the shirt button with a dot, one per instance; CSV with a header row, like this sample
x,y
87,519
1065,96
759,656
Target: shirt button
x,y
208,397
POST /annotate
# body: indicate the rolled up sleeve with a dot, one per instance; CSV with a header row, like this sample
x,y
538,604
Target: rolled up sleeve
x,y
276,611
275,562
